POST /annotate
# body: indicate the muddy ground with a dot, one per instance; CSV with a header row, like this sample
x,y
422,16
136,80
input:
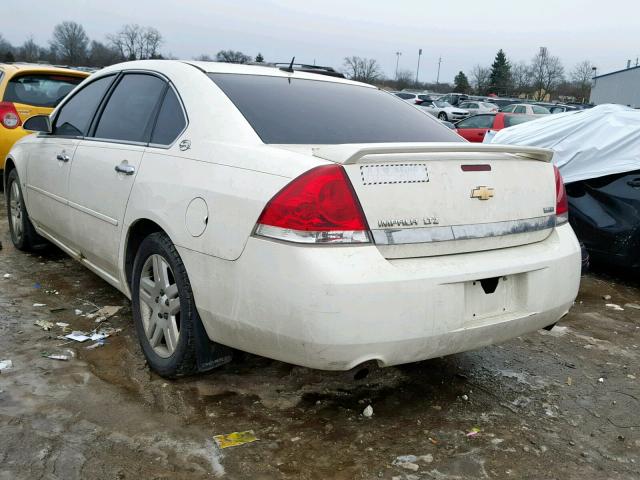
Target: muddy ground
x,y
534,407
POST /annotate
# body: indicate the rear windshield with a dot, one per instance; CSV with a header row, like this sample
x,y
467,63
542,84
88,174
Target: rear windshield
x,y
297,111
511,120
39,90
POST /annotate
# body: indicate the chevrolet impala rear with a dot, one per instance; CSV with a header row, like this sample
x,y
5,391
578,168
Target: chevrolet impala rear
x,y
397,242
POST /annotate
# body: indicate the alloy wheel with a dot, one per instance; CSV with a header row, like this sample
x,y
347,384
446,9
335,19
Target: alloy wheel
x,y
160,305
15,206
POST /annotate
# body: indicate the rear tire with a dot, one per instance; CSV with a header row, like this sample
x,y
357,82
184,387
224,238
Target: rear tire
x,y
23,234
443,116
164,309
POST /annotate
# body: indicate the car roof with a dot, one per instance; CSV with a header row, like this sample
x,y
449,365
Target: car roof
x,y
14,68
220,67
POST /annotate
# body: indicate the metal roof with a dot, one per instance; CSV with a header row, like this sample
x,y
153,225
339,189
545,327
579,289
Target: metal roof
x,y
617,71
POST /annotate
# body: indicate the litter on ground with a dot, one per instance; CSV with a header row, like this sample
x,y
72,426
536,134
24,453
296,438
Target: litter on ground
x,y
614,306
234,439
45,325
367,412
5,365
39,304
105,313
77,336
474,431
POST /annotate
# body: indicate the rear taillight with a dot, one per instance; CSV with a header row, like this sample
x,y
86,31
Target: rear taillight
x,y
419,101
320,206
562,204
9,117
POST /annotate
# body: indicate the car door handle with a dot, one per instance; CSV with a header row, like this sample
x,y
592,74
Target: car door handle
x,y
635,183
61,157
126,169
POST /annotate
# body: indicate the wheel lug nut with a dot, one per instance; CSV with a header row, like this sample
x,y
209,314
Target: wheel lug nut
x,y
157,299
166,316
166,302
159,315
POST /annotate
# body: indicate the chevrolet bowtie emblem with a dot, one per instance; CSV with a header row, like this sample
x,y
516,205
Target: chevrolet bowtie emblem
x,y
482,193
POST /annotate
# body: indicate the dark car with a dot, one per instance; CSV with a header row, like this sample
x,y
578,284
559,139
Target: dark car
x,y
605,214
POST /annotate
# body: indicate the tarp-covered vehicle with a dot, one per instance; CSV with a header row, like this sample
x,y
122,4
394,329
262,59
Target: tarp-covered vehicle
x,y
598,154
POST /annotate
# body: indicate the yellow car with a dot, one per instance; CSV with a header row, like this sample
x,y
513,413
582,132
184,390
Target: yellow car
x,y
27,90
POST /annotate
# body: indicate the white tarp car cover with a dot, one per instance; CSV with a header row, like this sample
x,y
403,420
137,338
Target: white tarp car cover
x,y
587,143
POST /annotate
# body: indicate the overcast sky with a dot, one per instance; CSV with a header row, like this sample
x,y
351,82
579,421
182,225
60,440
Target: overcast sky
x,y
463,32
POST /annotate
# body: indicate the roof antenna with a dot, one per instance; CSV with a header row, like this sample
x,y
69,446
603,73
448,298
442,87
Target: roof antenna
x,y
290,67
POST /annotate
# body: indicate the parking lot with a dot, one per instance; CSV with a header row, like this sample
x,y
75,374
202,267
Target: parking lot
x,y
559,404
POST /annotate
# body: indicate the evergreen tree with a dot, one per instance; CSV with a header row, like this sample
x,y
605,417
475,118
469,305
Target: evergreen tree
x,y
461,83
500,80
259,58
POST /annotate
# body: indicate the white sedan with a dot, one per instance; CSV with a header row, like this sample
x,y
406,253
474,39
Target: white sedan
x,y
476,107
526,108
444,111
294,215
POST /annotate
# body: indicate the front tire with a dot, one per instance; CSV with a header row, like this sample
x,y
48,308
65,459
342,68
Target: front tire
x,y
164,310
23,235
443,116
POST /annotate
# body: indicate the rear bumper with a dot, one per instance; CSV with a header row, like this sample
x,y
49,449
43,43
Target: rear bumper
x,y
336,307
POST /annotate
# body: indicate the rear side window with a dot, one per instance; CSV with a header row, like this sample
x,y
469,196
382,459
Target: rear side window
x,y
299,111
477,121
511,120
129,113
520,109
405,96
170,121
540,110
40,90
75,115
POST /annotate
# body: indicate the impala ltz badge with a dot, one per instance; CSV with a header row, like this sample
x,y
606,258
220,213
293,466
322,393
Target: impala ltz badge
x,y
185,145
482,193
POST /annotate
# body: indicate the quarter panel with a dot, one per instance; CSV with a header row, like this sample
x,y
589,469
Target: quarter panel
x,y
167,183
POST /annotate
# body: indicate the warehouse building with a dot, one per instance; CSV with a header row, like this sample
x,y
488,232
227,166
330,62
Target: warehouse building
x,y
621,87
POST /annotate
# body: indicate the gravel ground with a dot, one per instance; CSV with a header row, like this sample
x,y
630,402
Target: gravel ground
x,y
550,405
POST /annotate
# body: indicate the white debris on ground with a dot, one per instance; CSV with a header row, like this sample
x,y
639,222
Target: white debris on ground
x,y
614,306
39,305
5,365
368,412
104,313
407,462
7,275
45,325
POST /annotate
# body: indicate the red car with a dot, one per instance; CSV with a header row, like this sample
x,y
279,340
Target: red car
x,y
475,128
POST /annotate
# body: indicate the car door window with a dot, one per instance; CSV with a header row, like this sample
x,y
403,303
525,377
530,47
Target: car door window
x,y
171,120
520,109
74,117
129,113
477,121
508,108
540,110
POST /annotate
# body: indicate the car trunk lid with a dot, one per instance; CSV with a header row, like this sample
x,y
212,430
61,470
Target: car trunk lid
x,y
438,198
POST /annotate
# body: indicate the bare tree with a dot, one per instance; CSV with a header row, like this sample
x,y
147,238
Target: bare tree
x,y
547,72
101,55
362,69
137,43
581,77
69,43
404,79
232,56
521,77
5,46
480,78
150,43
30,51
204,58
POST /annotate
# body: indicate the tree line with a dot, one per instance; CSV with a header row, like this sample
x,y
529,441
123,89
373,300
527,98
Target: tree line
x,y
70,45
543,78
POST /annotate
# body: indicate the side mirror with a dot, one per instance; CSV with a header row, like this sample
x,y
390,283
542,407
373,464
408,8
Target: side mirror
x,y
38,123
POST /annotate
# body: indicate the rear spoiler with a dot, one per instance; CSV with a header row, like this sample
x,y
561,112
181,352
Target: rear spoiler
x,y
356,153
